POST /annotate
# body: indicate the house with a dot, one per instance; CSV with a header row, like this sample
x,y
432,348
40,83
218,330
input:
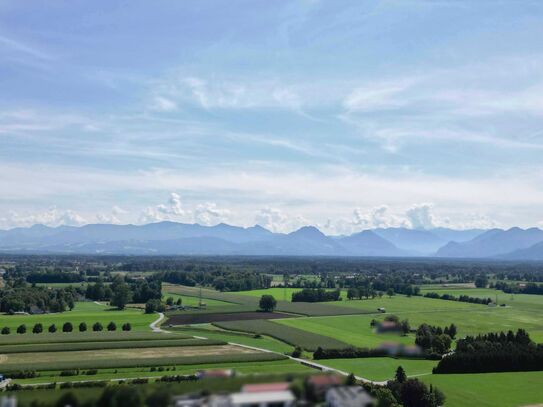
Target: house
x,y
388,327
349,396
215,374
189,401
318,385
283,398
265,387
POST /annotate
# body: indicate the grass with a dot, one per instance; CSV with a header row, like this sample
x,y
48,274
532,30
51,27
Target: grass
x,y
195,301
286,333
73,337
354,330
212,332
280,294
87,312
118,358
285,366
101,345
380,369
489,389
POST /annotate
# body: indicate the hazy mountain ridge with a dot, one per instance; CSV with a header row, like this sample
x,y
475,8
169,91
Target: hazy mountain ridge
x,y
171,238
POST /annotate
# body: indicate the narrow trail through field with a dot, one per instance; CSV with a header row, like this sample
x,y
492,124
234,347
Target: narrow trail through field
x,y
312,364
155,325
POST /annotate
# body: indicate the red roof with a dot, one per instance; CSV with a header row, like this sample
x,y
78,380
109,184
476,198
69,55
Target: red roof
x,y
263,387
326,380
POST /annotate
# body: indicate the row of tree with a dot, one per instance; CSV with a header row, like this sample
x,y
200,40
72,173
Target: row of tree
x,y
316,295
434,339
494,352
462,298
66,327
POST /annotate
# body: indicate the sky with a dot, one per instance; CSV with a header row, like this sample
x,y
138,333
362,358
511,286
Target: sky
x,y
346,115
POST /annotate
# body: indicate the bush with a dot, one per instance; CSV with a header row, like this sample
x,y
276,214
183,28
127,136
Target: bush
x,y
97,327
52,328
297,352
82,327
91,372
72,372
127,327
22,374
6,330
154,305
67,327
21,329
111,326
267,303
38,328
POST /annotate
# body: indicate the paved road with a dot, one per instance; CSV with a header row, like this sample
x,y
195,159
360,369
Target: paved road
x,y
155,325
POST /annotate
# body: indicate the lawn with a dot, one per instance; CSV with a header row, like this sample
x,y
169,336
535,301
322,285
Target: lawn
x,y
489,389
380,369
88,312
352,329
244,368
286,333
212,332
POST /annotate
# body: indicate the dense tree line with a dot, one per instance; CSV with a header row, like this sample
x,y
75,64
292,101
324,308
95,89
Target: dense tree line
x,y
316,295
529,288
348,353
17,296
461,298
493,352
434,339
54,277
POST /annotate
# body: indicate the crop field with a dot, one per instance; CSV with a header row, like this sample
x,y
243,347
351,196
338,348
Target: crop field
x,y
195,301
165,341
127,357
243,338
244,302
382,368
289,334
490,389
74,337
283,366
188,319
88,312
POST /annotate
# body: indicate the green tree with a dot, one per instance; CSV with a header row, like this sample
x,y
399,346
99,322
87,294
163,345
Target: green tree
x,y
82,327
67,399
67,327
405,327
97,327
154,305
267,303
21,329
120,293
390,292
38,328
111,326
52,328
351,380
169,301
127,327
6,330
400,375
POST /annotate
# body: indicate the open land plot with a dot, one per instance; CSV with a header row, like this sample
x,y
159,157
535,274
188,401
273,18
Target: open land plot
x,y
165,341
286,333
285,366
283,294
87,312
195,301
489,389
244,302
89,336
243,338
109,358
382,368
354,330
187,319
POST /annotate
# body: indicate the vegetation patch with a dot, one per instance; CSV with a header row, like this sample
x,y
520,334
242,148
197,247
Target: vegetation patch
x,y
293,336
188,319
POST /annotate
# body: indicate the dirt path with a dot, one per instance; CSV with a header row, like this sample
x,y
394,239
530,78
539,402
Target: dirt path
x,y
155,326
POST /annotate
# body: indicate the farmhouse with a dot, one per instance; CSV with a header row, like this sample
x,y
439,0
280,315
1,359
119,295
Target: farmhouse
x,y
349,396
388,326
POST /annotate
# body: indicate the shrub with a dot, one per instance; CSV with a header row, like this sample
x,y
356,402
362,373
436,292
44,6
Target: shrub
x,y
297,352
52,328
97,327
67,327
21,329
6,330
71,372
82,327
91,372
23,374
127,327
111,326
38,328
267,303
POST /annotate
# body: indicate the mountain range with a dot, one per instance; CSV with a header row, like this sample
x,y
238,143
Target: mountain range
x,y
171,238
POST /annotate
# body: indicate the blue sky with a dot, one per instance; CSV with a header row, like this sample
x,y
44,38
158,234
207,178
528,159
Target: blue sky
x,y
343,114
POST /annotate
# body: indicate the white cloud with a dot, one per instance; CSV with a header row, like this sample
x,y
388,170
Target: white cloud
x,y
163,104
275,220
209,214
172,210
421,217
51,217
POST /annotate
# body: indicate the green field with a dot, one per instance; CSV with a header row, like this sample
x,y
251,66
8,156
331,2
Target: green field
x,y
88,312
489,389
242,368
213,332
380,369
286,333
282,294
